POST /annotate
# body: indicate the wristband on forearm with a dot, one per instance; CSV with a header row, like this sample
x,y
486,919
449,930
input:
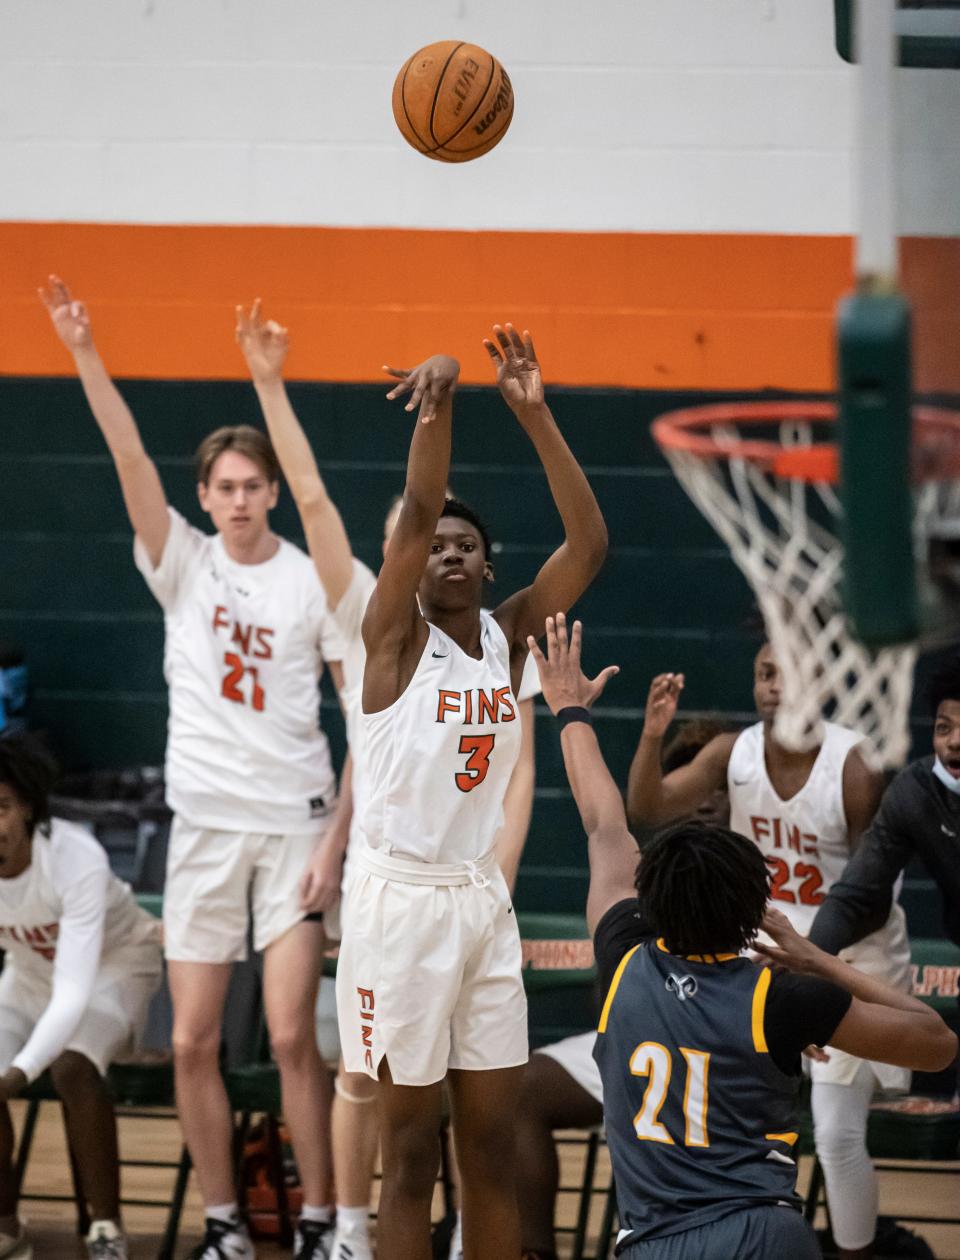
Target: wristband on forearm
x,y
574,713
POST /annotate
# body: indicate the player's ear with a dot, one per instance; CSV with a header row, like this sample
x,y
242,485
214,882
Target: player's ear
x,y
488,572
202,495
274,495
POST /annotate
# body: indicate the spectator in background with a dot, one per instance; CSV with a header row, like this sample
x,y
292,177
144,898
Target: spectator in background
x,y
82,963
561,1087
919,817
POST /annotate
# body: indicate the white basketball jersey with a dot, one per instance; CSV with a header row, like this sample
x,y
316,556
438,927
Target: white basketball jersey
x,y
439,759
806,839
348,619
245,646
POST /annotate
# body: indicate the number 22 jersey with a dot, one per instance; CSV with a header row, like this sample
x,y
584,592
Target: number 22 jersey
x,y
245,646
439,759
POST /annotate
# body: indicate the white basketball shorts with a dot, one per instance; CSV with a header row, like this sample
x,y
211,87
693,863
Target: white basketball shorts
x,y
212,878
114,1019
428,975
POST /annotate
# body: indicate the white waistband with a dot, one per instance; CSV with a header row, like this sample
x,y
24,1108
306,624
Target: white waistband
x,y
410,872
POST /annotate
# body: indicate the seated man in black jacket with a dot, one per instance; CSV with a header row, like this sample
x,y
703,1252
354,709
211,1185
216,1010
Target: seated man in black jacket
x,y
919,816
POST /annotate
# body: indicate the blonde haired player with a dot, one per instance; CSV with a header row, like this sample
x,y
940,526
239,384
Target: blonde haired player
x,y
428,982
249,779
806,811
348,584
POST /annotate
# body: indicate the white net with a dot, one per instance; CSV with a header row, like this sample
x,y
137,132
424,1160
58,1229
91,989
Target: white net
x,y
783,535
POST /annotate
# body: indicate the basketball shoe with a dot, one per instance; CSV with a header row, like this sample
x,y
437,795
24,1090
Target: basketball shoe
x,y
106,1242
224,1240
16,1247
313,1240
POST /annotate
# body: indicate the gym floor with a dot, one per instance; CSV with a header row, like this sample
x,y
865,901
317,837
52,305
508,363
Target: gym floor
x,y
52,1225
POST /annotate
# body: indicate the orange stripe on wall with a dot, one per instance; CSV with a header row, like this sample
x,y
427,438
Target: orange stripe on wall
x,y
616,309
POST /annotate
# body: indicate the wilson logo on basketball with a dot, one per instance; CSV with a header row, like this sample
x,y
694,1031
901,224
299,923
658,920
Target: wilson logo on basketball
x,y
502,102
465,78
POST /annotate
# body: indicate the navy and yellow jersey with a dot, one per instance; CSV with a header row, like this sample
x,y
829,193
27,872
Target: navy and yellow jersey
x,y
699,1108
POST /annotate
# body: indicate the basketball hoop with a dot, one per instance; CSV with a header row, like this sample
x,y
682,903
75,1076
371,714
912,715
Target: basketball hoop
x,y
765,476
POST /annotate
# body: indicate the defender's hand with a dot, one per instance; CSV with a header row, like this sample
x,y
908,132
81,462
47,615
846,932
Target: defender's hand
x,y
264,344
792,951
662,701
518,372
69,317
561,678
428,384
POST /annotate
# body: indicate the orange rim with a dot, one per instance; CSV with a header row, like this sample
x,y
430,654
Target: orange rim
x,y
936,439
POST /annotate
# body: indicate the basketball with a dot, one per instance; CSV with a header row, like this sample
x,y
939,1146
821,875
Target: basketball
x,y
452,101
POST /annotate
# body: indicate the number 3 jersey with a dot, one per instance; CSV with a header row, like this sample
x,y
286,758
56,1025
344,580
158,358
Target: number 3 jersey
x,y
806,841
245,646
439,759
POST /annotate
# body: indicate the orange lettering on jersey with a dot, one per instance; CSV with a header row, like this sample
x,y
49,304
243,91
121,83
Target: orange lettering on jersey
x,y
263,649
760,828
487,707
448,702
242,636
504,700
468,708
220,618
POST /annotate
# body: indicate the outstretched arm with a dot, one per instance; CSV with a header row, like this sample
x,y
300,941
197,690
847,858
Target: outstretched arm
x,y
653,798
394,633
612,850
575,563
139,480
265,344
882,1023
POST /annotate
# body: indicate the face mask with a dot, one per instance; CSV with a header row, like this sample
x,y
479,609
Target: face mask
x,y
945,777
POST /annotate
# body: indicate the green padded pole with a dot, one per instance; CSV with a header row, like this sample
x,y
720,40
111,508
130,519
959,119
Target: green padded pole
x,y
880,592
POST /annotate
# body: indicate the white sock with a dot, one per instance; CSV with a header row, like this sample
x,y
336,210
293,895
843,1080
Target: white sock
x,y
352,1220
105,1228
229,1213
322,1215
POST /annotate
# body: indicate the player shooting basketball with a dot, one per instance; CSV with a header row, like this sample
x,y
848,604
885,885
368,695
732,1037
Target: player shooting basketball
x,y
428,981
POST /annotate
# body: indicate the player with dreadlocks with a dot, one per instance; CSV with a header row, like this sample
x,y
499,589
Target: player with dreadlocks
x,y
698,1046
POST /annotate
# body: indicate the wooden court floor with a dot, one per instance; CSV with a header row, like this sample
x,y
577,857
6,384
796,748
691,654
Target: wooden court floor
x,y
52,1225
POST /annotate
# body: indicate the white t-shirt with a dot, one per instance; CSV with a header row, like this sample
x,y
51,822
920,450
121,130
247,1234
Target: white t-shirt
x,y
348,618
806,840
61,919
245,646
439,759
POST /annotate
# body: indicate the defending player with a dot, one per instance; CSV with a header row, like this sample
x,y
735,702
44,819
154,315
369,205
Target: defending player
x,y
561,1086
82,961
249,779
806,812
698,1047
348,585
429,973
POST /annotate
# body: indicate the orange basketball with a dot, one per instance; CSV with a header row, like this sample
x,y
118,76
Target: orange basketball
x,y
452,101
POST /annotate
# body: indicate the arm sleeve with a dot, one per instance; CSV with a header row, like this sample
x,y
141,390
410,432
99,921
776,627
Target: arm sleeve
x,y
165,580
75,965
801,1011
859,902
618,931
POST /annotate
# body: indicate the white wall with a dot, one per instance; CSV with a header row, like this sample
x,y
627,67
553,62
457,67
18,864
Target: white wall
x,y
636,115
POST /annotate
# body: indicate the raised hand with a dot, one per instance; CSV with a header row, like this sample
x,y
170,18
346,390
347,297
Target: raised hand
x,y
563,682
69,317
264,343
662,701
518,372
428,384
791,950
